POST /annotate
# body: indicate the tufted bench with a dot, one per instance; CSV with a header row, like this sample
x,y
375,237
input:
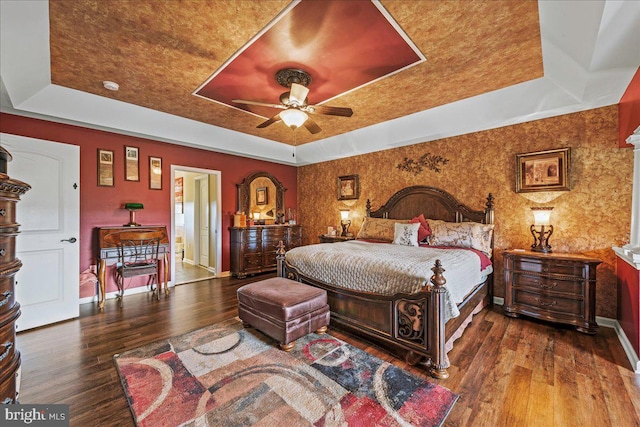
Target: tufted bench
x,y
283,309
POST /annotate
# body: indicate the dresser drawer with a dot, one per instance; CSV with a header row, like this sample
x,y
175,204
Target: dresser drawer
x,y
7,293
548,284
275,233
7,248
252,262
252,247
565,268
294,243
250,235
554,304
7,212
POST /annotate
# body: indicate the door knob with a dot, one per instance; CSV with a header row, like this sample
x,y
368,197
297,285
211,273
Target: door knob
x,y
71,240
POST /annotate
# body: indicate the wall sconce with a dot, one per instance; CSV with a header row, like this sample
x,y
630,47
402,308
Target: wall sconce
x,y
132,208
541,236
345,222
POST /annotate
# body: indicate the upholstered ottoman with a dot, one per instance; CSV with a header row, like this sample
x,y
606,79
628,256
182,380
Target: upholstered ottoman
x,y
283,309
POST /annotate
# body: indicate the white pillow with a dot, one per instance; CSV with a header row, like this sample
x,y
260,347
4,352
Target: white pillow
x,y
406,234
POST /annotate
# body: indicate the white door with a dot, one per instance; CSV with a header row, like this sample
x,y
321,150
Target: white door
x,y
47,285
203,219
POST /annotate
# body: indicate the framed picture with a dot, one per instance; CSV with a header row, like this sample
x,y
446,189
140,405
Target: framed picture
x,y
348,188
105,168
179,189
543,171
262,196
155,173
131,164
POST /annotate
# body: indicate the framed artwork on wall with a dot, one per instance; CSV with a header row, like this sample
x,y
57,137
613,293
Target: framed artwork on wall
x,y
543,171
179,189
155,173
131,164
348,188
105,168
262,196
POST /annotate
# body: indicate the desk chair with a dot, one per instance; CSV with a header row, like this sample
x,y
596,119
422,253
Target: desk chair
x,y
138,256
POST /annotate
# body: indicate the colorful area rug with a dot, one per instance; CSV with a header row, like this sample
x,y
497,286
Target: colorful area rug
x,y
225,375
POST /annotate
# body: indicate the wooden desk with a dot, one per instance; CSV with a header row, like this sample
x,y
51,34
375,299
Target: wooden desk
x,y
108,254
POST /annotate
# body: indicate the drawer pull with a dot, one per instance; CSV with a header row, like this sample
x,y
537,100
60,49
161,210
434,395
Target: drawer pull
x,y
549,286
7,347
5,298
542,303
3,212
2,251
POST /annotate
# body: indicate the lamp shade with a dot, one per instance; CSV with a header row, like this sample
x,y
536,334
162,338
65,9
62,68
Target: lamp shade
x,y
133,206
541,215
344,213
293,117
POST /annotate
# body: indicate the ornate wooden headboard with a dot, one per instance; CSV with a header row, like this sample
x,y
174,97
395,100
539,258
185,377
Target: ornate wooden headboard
x,y
434,203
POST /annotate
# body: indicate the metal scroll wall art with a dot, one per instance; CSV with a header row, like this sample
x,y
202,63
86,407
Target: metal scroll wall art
x,y
426,161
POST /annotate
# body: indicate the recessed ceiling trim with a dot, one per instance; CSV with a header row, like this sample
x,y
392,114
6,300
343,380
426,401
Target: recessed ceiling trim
x,y
224,65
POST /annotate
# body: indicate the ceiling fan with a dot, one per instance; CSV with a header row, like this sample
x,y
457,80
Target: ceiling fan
x,y
295,104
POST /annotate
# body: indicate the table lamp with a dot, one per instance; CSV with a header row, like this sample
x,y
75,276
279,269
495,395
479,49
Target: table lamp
x,y
345,222
132,208
541,236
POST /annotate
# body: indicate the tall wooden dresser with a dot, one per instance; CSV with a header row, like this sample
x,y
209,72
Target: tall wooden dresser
x,y
253,249
10,192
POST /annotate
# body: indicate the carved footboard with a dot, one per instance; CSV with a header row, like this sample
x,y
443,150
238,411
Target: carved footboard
x,y
411,324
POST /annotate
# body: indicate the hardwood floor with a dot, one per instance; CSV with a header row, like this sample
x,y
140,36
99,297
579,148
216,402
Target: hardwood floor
x,y
509,372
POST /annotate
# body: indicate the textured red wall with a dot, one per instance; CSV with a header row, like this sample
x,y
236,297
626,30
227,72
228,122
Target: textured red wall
x,y
629,302
102,206
629,110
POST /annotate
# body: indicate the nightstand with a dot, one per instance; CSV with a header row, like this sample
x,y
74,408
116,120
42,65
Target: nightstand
x,y
554,287
333,239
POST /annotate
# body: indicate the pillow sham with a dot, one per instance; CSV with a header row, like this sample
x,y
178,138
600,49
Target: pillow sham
x,y
378,229
462,234
406,234
424,231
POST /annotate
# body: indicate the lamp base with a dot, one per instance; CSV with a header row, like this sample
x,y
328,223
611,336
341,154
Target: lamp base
x,y
541,239
132,220
345,227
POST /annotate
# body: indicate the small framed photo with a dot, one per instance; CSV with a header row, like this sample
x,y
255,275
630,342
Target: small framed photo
x,y
262,196
543,171
131,164
105,168
155,173
348,188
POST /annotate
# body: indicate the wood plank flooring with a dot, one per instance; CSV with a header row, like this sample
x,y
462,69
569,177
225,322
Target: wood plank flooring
x,y
509,372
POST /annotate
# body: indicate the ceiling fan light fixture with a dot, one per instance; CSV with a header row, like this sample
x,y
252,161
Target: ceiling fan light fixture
x,y
293,117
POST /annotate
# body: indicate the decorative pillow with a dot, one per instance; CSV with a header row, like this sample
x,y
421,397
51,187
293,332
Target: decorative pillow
x,y
462,234
424,231
378,229
406,234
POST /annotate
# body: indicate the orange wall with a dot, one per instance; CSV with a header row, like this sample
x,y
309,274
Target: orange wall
x,y
629,110
591,218
103,206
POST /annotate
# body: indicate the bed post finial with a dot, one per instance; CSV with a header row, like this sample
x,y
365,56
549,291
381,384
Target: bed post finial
x,y
488,211
438,279
280,251
368,207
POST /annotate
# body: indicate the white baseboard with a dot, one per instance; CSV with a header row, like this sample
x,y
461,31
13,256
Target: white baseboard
x,y
114,294
607,322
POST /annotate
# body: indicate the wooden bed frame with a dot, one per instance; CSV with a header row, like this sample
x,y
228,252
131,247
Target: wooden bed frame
x,y
388,321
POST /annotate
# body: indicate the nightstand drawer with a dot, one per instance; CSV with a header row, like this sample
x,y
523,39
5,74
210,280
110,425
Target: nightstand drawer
x,y
565,306
548,284
549,267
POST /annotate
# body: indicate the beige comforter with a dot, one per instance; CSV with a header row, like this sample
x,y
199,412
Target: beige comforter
x,y
388,269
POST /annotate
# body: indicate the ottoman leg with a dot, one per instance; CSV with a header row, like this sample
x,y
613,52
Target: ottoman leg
x,y
287,347
322,330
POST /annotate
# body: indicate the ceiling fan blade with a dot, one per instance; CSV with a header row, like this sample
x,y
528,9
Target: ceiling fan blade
x,y
261,104
271,121
298,94
311,126
330,111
